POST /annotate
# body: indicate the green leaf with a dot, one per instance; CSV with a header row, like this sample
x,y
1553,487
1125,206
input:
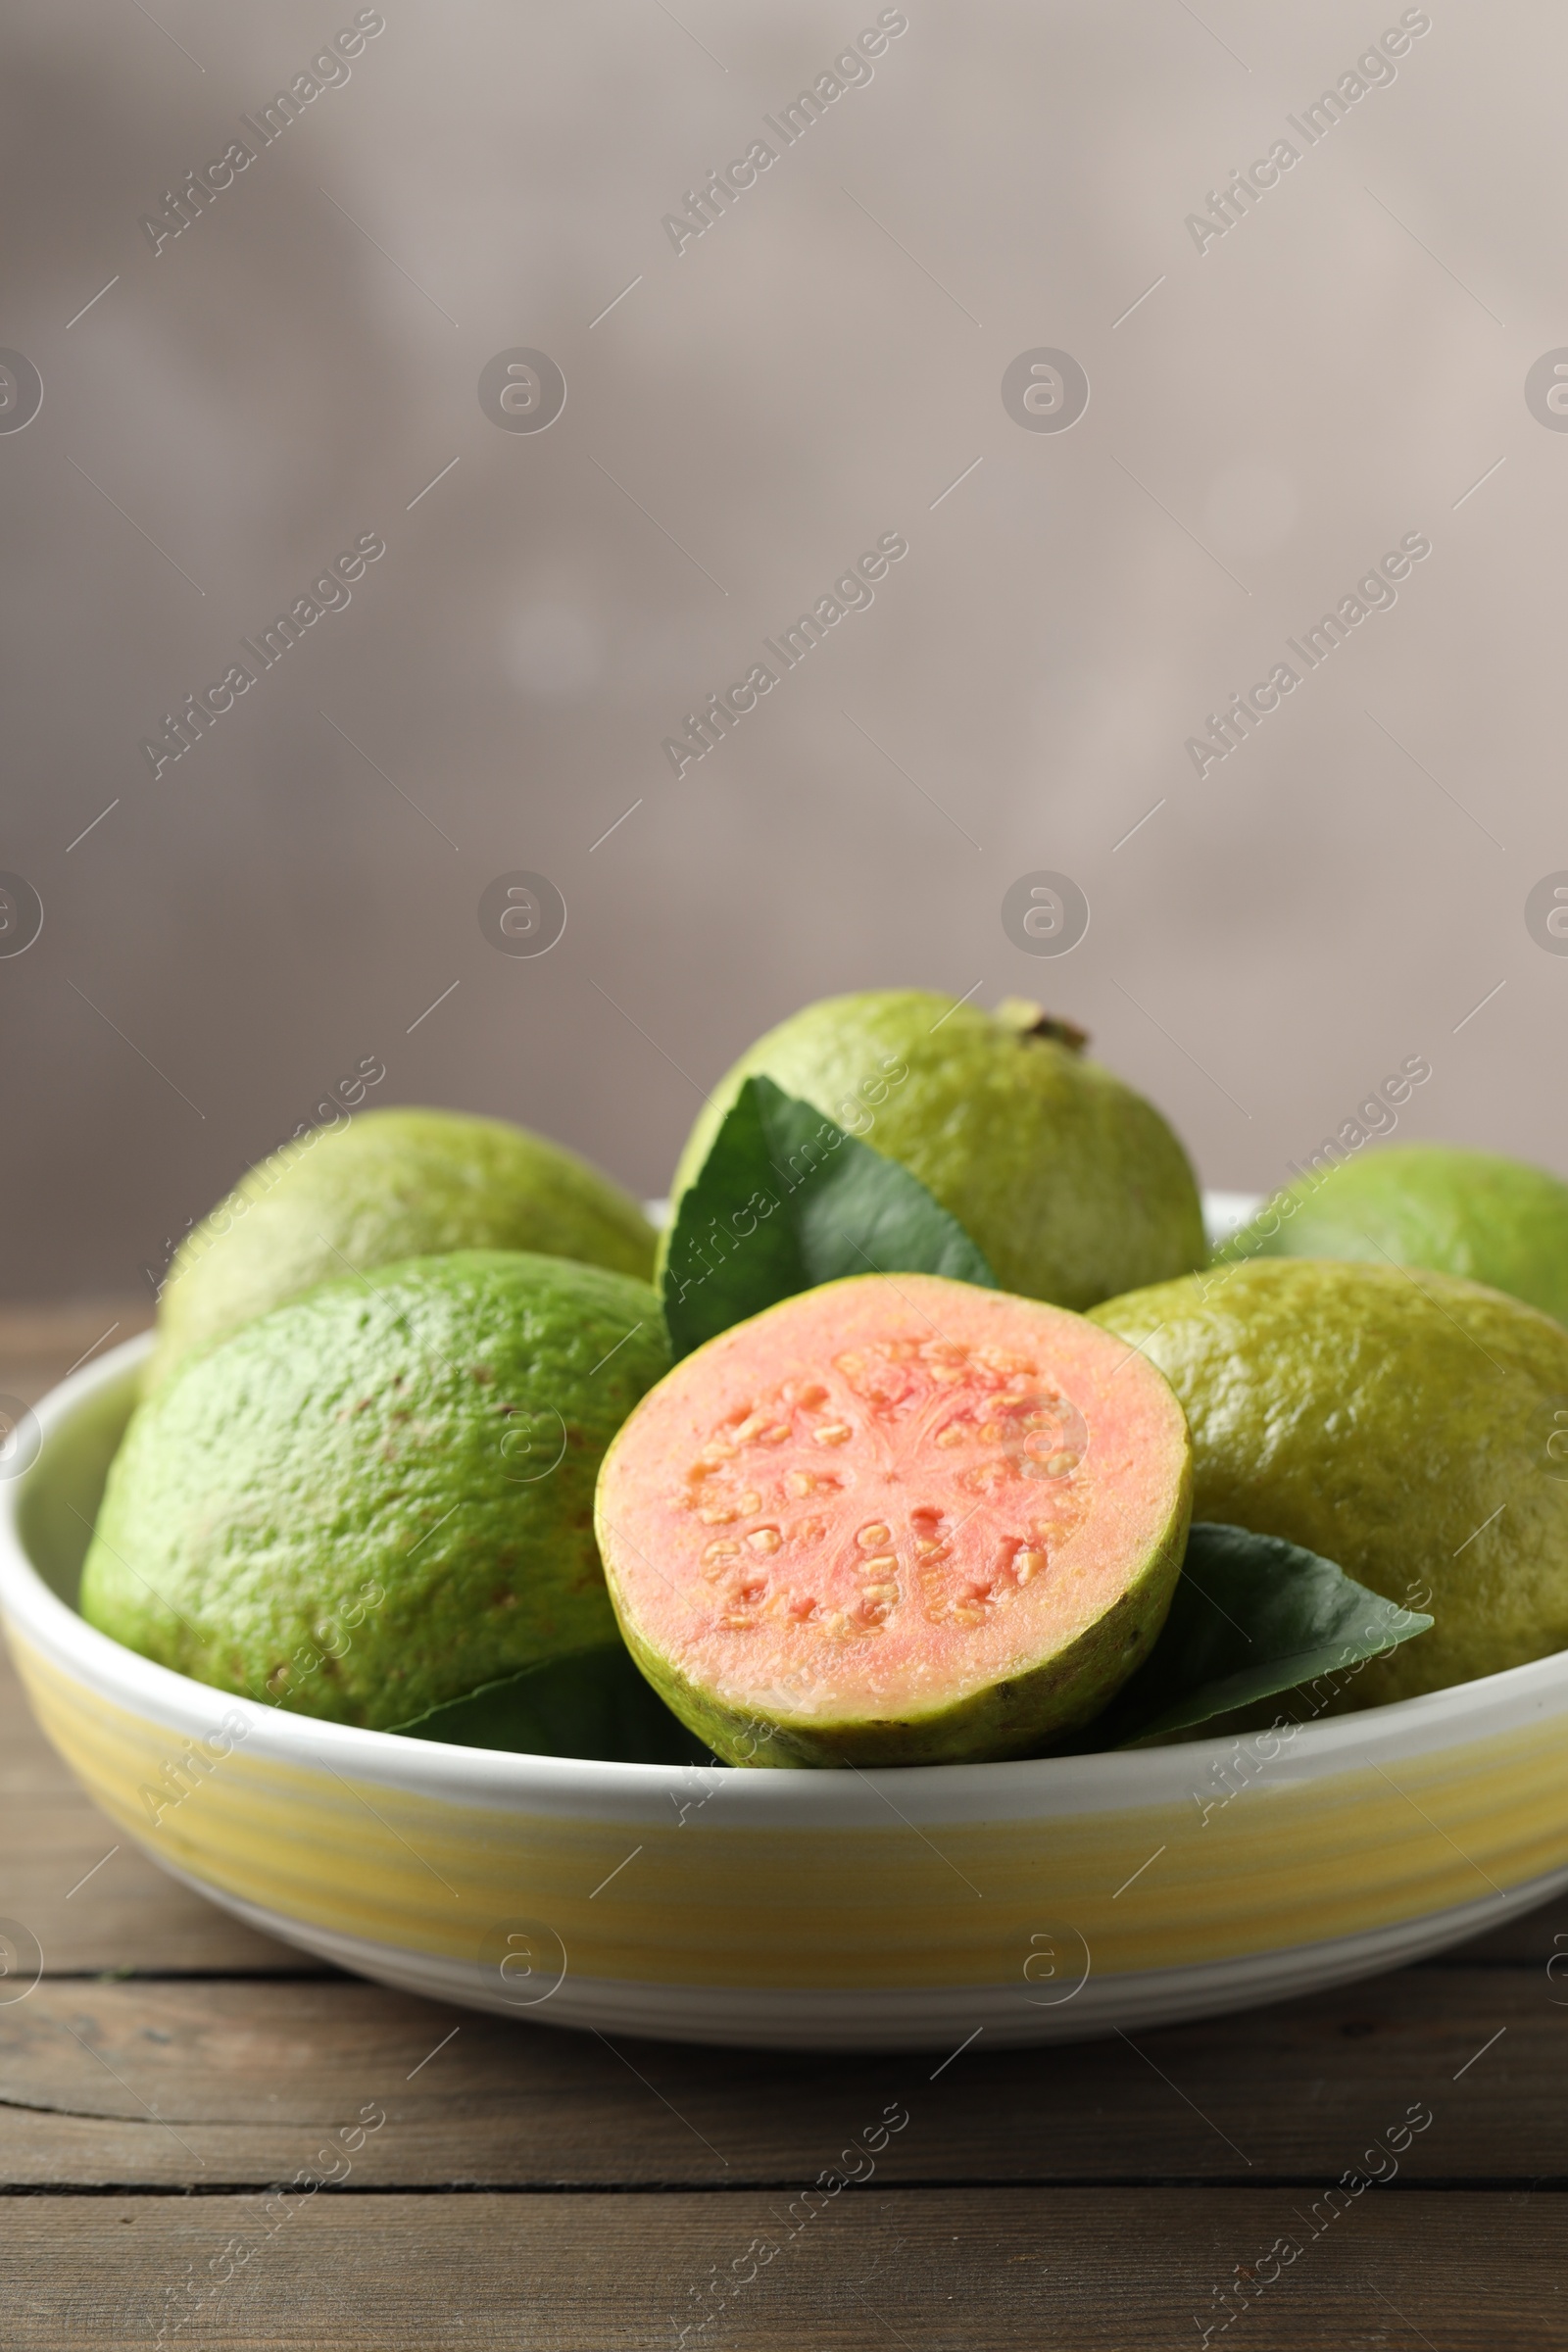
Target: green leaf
x,y
1251,1617
785,1199
594,1703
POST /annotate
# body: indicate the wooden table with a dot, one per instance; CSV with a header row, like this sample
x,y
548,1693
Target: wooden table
x,y
536,2188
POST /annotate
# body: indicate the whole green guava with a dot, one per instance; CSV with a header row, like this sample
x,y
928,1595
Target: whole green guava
x,y
1412,1426
392,1184
379,1496
1072,1185
1493,1220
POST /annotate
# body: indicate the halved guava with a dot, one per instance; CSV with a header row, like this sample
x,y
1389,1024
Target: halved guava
x,y
896,1520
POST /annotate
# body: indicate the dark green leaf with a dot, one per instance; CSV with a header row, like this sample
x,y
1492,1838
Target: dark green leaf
x,y
1251,1616
785,1199
592,1704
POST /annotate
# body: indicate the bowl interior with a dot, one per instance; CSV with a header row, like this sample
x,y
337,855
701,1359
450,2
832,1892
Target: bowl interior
x,y
58,1503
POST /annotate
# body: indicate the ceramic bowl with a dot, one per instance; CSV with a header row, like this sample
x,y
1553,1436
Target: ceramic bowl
x,y
1038,1902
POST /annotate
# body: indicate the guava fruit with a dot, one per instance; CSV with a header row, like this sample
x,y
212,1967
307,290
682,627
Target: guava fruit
x,y
1071,1184
393,1184
379,1496
1412,1427
896,1520
1493,1220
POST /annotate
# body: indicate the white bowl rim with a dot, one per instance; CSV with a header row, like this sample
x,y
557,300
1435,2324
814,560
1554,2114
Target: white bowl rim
x,y
1110,1781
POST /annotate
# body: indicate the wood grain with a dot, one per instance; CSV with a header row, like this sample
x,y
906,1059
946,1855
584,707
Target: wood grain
x,y
245,2078
947,2271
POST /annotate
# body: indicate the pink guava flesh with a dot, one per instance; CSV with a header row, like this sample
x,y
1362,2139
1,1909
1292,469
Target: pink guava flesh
x,y
896,1520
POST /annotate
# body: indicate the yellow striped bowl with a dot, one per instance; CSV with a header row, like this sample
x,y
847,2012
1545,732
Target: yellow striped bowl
x,y
1042,1900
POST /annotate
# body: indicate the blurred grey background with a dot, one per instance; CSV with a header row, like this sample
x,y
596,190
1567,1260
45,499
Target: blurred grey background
x,y
1271,410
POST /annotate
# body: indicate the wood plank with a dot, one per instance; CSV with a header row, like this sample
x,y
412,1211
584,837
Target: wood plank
x,y
206,2084
950,2271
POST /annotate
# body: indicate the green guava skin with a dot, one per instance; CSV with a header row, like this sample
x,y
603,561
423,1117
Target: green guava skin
x,y
391,1185
1493,1220
391,1434
1072,1185
1383,1419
